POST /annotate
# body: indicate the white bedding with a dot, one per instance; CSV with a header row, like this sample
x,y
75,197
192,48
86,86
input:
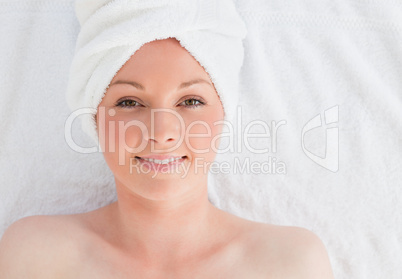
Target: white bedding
x,y
303,59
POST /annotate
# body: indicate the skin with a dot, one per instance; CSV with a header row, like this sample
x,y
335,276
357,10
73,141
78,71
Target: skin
x,y
162,225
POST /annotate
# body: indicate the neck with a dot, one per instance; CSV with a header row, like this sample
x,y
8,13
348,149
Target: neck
x,y
164,229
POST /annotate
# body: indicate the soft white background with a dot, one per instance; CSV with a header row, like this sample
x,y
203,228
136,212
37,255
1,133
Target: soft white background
x,y
302,58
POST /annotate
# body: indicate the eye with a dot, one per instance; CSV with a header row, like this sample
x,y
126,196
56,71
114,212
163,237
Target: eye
x,y
126,103
193,102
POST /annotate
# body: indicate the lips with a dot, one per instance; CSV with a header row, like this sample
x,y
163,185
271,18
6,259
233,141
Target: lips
x,y
159,163
164,161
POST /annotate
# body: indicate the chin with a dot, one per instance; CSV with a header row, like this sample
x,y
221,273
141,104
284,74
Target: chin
x,y
162,191
156,186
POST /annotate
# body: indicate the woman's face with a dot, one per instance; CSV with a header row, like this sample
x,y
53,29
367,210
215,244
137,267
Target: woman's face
x,y
161,104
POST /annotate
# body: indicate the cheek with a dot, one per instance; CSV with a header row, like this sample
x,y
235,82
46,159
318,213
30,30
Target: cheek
x,y
202,136
120,132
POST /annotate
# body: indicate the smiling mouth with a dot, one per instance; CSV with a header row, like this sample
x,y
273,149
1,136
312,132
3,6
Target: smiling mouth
x,y
161,162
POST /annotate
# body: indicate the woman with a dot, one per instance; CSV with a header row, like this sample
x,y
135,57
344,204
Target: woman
x,y
162,225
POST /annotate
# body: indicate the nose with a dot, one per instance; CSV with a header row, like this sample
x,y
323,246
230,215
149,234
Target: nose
x,y
166,127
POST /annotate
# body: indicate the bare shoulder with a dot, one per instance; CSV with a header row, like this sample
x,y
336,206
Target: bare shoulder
x,y
289,252
38,247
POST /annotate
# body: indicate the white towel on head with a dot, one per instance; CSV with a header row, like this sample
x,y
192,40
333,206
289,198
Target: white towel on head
x,y
111,32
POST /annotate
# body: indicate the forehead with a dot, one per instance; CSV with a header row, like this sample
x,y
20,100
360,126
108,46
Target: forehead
x,y
165,59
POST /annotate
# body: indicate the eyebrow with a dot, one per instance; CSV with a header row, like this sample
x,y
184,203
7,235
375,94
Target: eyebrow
x,y
181,86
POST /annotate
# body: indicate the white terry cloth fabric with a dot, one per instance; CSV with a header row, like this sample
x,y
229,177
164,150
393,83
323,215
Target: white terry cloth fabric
x,y
302,58
111,31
